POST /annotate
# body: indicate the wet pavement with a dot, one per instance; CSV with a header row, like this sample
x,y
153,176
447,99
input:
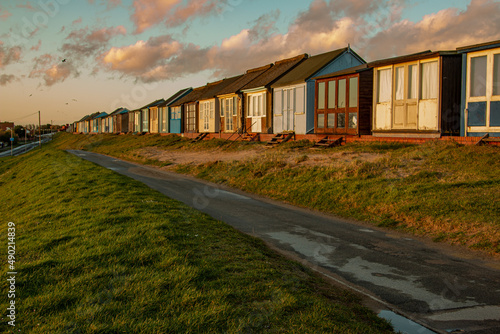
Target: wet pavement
x,y
437,286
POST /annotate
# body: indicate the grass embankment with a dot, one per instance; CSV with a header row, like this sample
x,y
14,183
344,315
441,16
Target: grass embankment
x,y
443,190
97,252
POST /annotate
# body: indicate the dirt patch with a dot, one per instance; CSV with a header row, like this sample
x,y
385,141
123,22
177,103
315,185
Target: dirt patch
x,y
293,158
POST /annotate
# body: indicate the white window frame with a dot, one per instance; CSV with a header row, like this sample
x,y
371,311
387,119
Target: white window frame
x,y
256,104
489,88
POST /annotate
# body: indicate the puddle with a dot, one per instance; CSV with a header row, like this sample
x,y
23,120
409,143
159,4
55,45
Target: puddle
x,y
404,325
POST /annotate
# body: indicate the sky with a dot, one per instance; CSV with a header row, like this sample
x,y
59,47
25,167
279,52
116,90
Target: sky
x,y
71,58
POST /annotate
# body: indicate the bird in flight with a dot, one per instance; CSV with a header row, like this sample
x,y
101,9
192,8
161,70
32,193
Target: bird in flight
x,y
64,60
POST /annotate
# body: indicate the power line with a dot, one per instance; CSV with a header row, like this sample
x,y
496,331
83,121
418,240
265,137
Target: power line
x,y
23,117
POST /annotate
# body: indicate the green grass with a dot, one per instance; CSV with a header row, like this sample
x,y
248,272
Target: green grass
x,y
446,191
97,252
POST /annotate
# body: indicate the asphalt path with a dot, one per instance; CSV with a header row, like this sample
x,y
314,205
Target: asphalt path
x,y
439,286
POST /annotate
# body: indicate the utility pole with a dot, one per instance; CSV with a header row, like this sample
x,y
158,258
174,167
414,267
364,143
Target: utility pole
x,y
39,130
11,141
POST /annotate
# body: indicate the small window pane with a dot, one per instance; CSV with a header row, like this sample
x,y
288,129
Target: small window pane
x,y
321,121
331,120
429,80
353,120
478,76
353,92
321,95
412,82
496,74
342,93
400,83
384,85
341,120
331,94
235,106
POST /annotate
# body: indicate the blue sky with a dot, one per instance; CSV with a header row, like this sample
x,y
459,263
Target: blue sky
x,y
131,52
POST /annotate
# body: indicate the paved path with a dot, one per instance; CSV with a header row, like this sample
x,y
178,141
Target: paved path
x,y
426,282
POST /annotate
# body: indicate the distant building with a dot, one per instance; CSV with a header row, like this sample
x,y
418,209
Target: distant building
x,y
4,126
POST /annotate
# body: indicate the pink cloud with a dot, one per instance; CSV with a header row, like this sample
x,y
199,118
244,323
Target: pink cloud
x,y
148,13
52,70
26,6
444,30
36,47
84,42
191,9
4,15
6,79
9,55
135,59
77,21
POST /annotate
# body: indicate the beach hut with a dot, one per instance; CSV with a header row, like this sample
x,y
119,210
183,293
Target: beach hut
x,y
231,101
135,121
480,105
186,108
150,116
417,95
258,95
294,93
209,105
96,122
167,124
344,102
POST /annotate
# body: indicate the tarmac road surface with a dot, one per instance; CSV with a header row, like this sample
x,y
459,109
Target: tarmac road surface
x,y
438,286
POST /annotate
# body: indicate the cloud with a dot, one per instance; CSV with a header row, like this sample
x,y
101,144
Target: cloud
x,y
6,78
447,29
52,70
137,58
4,15
85,42
173,13
28,6
9,55
109,3
36,47
148,13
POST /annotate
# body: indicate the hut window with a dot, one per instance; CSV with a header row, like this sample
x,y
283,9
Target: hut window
x,y
496,74
400,83
342,93
341,120
384,85
429,81
235,106
331,120
212,109
478,76
353,120
321,95
331,94
412,82
353,92
321,121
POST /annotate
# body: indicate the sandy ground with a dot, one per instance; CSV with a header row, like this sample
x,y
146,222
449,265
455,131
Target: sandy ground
x,y
304,157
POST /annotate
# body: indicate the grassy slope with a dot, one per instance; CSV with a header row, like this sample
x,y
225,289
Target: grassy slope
x,y
443,190
100,253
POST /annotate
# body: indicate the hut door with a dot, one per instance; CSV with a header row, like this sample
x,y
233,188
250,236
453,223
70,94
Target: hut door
x,y
256,110
288,109
405,97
